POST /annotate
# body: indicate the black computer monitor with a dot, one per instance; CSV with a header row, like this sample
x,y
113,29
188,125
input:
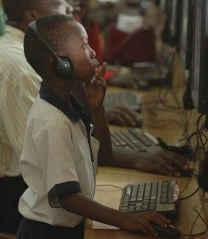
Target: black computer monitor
x,y
175,24
173,17
185,48
184,31
199,81
172,10
162,4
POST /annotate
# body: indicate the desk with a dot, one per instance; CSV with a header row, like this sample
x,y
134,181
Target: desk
x,y
110,196
167,124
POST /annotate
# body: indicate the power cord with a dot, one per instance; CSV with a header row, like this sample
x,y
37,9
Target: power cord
x,y
194,192
109,185
195,235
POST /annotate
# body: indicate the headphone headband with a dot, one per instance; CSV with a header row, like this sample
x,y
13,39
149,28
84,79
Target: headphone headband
x,y
33,26
62,64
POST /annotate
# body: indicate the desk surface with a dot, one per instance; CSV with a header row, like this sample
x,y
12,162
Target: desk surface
x,y
110,196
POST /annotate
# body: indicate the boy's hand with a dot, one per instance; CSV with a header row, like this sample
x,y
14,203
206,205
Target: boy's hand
x,y
141,222
96,89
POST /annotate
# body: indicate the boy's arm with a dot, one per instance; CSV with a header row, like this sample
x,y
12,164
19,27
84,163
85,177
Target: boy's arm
x,y
79,204
102,133
95,92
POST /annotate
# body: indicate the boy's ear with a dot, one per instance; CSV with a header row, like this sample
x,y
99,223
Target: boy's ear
x,y
31,15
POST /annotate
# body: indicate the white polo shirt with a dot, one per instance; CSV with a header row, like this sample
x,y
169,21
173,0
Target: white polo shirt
x,y
56,160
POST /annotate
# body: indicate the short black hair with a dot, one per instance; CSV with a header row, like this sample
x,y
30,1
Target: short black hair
x,y
15,9
53,32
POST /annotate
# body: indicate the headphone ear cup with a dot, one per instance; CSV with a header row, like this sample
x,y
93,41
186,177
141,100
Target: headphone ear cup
x,y
63,67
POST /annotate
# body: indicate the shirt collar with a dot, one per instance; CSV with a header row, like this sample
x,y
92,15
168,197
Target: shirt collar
x,y
73,110
50,97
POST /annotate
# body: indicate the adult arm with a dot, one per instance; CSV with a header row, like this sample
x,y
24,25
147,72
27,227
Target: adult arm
x,y
161,161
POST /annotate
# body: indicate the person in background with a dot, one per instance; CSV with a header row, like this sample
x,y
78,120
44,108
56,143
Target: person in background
x,y
59,152
19,86
2,19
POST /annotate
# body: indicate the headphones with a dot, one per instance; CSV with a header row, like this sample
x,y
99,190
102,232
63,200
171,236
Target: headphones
x,y
62,65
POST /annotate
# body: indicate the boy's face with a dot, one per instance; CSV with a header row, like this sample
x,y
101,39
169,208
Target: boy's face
x,y
81,54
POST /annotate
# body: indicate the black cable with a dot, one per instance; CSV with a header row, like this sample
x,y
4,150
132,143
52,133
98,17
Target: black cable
x,y
194,222
199,134
194,192
186,118
108,185
205,222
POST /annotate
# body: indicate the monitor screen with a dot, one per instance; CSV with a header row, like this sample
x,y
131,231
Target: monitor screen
x,y
183,31
171,31
199,87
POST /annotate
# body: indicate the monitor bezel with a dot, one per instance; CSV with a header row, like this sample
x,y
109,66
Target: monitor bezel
x,y
199,71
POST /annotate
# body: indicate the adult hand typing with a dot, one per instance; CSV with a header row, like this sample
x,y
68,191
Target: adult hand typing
x,y
161,161
124,116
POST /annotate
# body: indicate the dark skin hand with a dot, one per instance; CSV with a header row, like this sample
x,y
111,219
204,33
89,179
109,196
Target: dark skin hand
x,y
161,161
124,116
78,203
96,100
119,115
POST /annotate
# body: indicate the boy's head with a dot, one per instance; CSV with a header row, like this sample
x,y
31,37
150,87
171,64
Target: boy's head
x,y
59,38
24,11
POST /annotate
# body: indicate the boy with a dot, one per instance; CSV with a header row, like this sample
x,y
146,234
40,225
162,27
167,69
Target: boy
x,y
19,86
59,153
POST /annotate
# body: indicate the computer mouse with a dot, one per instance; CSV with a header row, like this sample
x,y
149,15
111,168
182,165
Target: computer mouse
x,y
139,123
170,231
184,150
